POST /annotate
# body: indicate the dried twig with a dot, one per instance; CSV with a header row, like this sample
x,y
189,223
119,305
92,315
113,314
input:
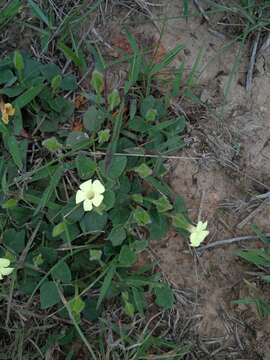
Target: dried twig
x,y
153,156
252,61
228,241
201,10
253,214
28,245
266,43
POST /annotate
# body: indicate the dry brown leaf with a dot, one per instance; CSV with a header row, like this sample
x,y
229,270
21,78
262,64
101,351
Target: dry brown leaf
x,y
80,100
77,125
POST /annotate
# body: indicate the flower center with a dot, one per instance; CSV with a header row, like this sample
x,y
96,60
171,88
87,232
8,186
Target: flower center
x,y
90,195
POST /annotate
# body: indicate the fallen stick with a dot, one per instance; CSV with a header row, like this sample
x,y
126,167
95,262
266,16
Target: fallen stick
x,y
228,241
201,10
252,62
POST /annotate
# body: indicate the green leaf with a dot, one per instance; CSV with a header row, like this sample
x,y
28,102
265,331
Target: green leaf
x,y
103,136
77,305
135,63
9,204
17,122
106,285
50,189
71,55
95,255
14,240
128,306
109,199
127,257
114,99
28,96
151,115
6,76
143,170
18,61
48,254
14,91
50,71
164,297
56,82
159,226
147,104
38,12
114,140
93,119
86,167
14,151
93,222
139,300
97,81
177,81
180,221
138,198
62,272
58,229
9,11
52,144
117,235
69,83
162,188
77,139
90,311
163,204
258,257
117,166
49,295
140,245
132,109
141,216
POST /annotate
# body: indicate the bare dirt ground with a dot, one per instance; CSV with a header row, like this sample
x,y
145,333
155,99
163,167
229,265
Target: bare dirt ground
x,y
231,134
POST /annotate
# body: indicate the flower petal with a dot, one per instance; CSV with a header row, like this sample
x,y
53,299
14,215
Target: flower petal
x,y
98,187
80,196
5,118
87,205
4,262
202,225
9,109
194,240
98,200
197,237
86,186
6,271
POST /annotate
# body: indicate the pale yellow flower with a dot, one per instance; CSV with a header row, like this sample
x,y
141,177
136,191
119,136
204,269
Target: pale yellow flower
x,y
90,194
7,110
4,268
198,233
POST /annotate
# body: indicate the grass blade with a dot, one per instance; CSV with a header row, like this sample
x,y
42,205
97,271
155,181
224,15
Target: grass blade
x,y
75,323
28,96
115,136
50,189
167,60
177,80
106,285
9,12
14,151
36,10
